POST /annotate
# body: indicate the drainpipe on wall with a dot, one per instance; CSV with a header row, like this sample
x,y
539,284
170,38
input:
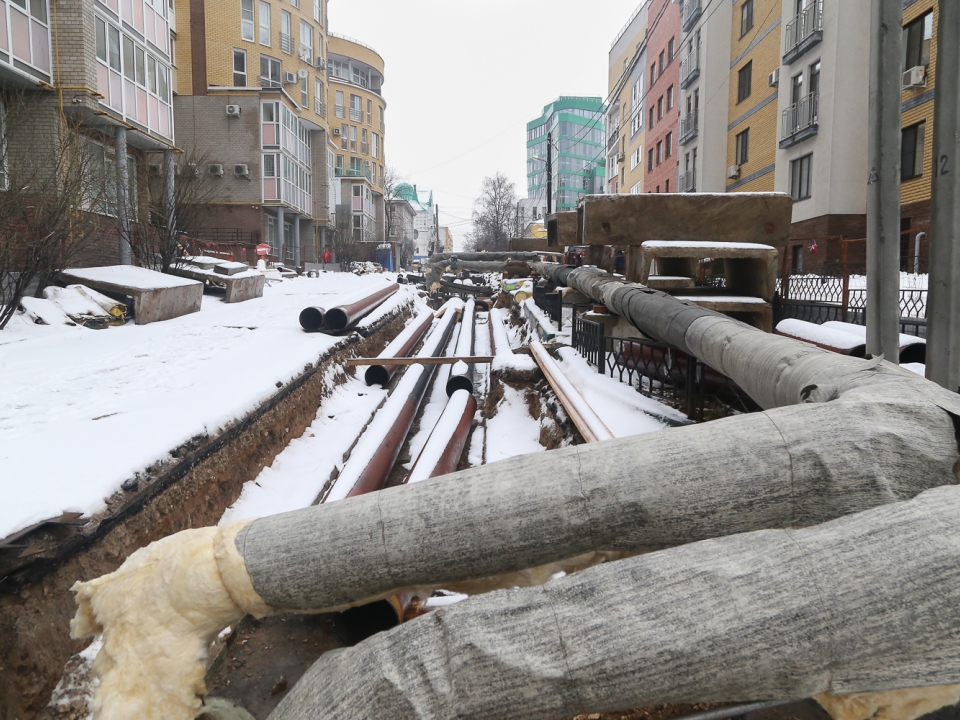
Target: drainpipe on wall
x,y
296,241
170,180
280,235
123,185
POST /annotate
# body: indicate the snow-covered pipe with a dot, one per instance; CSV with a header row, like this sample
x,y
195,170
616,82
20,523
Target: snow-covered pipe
x,y
461,374
591,427
378,447
913,349
446,443
346,314
401,346
823,336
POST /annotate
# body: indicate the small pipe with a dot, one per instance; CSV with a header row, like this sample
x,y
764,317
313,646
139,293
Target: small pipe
x,y
401,346
443,449
343,316
591,427
461,375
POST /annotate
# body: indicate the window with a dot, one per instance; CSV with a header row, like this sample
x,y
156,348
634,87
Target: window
x,y
800,171
668,146
666,187
306,42
339,107
911,151
743,147
369,112
744,79
265,24
796,88
671,49
380,108
662,62
916,41
653,74
246,19
746,17
660,108
269,71
659,152
113,47
636,158
814,78
652,117
304,92
650,160
286,31
239,68
319,94
796,259
670,98
318,11
376,145
101,29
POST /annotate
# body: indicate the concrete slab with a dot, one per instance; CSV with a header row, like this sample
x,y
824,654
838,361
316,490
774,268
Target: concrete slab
x,y
669,282
156,296
562,229
240,287
751,310
729,217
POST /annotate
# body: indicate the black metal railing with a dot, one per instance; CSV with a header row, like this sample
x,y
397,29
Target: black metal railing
x,y
551,303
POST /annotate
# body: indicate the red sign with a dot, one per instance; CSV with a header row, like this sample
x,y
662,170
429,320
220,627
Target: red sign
x,y
263,249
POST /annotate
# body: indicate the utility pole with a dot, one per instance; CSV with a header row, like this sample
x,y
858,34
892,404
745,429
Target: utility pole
x,y
549,173
943,301
883,184
436,227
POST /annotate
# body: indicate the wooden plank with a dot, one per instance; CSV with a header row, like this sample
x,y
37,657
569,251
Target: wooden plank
x,y
479,360
727,217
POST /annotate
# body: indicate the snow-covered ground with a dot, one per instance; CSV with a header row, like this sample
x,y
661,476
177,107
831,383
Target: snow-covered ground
x,y
82,410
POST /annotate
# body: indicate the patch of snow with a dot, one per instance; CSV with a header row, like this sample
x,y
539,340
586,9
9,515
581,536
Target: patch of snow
x,y
918,368
821,334
860,332
475,452
46,311
440,437
742,299
512,431
131,276
444,600
505,358
705,245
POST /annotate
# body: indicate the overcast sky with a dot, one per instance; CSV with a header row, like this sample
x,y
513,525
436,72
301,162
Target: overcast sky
x,y
463,79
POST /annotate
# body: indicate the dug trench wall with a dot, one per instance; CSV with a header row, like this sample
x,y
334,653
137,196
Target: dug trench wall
x,y
35,611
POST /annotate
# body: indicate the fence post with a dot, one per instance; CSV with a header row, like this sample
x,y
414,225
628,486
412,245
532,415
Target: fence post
x,y
845,293
602,350
691,387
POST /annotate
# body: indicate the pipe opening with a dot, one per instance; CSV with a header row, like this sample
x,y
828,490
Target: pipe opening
x,y
337,319
311,319
914,354
377,375
355,625
459,382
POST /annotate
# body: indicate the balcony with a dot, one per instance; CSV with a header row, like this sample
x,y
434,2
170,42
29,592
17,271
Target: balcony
x,y
319,108
690,12
352,173
286,43
356,115
687,182
689,127
364,148
690,67
340,111
803,32
613,139
799,121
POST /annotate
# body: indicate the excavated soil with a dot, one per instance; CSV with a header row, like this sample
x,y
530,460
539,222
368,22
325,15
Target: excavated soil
x,y
35,617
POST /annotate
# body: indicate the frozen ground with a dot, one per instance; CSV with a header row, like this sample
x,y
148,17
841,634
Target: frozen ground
x,y
83,410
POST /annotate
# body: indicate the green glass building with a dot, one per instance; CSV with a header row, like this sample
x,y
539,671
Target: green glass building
x,y
579,163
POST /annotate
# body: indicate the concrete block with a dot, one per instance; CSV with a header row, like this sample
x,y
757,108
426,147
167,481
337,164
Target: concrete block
x,y
561,230
727,217
156,296
750,310
529,244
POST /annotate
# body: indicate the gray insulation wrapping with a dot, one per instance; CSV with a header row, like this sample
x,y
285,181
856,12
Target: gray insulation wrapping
x,y
744,473
865,603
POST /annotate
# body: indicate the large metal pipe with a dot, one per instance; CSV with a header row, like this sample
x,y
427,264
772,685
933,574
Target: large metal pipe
x,y
401,346
913,349
342,316
311,318
377,449
446,443
461,374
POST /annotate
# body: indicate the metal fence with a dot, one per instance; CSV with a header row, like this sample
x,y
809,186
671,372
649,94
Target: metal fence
x,y
551,303
661,372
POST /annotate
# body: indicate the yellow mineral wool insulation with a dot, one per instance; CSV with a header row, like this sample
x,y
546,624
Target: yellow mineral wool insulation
x,y
158,614
906,704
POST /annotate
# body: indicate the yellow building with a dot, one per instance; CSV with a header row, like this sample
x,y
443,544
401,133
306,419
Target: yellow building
x,y
357,107
625,112
752,116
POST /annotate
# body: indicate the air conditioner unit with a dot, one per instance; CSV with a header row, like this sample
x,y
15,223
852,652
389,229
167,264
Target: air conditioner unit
x,y
241,170
193,170
915,77
156,169
774,78
733,172
302,73
216,169
320,64
233,111
621,157
336,131
289,78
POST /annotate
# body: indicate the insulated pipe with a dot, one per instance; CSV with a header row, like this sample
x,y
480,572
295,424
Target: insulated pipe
x,y
829,338
343,316
401,346
446,443
461,374
377,449
591,427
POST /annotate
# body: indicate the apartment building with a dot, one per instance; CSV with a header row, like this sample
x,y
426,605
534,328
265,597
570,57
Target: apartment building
x,y
704,80
576,127
663,94
98,70
625,123
356,76
425,221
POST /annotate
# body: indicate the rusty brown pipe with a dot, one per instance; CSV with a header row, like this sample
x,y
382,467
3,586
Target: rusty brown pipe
x,y
446,443
343,316
401,346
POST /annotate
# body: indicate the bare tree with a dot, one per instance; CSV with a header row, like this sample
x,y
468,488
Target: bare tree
x,y
346,249
57,186
494,215
159,239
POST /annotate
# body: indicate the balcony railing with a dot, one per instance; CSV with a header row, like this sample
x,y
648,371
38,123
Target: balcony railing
x,y
356,115
365,148
690,12
687,182
340,111
320,108
803,32
799,121
689,126
286,43
266,82
352,172
613,139
690,67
